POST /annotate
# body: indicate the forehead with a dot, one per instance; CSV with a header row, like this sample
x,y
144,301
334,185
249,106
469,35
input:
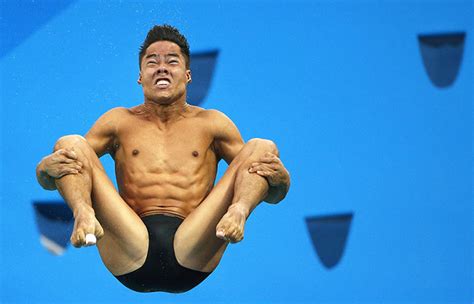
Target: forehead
x,y
162,48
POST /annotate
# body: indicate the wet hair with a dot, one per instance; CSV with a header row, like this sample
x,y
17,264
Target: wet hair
x,y
168,33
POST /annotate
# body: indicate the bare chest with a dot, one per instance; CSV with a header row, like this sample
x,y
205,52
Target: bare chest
x,y
183,148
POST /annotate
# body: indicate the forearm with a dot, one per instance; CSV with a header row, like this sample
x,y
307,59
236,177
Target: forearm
x,y
46,181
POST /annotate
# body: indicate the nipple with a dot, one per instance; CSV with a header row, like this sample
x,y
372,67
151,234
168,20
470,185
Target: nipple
x,y
195,153
135,152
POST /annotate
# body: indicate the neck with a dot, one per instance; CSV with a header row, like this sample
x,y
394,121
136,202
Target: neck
x,y
166,113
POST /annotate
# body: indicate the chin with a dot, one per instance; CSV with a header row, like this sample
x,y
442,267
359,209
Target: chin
x,y
164,97
163,100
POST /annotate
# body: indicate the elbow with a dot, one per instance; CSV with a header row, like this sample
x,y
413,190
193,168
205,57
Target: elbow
x,y
277,194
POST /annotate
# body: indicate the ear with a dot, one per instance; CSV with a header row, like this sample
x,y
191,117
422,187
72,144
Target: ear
x,y
139,80
188,76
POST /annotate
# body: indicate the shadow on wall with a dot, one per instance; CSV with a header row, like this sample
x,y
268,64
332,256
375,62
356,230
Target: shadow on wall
x,y
442,56
329,236
55,222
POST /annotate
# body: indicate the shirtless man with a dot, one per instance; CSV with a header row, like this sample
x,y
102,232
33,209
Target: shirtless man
x,y
168,226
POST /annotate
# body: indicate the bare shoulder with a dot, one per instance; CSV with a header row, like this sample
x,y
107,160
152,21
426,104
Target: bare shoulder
x,y
216,118
114,114
222,126
119,111
227,139
102,134
211,113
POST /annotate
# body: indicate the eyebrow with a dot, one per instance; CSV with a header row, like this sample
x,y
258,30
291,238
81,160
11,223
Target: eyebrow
x,y
167,55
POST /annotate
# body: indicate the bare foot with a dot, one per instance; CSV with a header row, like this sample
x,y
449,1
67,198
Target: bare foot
x,y
231,227
85,223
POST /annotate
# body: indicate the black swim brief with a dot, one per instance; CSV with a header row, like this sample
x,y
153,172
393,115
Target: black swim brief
x,y
161,271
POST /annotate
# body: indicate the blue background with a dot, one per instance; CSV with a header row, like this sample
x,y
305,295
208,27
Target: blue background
x,y
338,85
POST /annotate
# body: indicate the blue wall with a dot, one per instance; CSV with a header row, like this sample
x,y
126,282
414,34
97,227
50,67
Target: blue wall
x,y
339,86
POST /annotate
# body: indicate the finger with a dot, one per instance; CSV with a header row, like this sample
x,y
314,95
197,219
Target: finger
x,y
269,159
54,159
266,160
269,154
68,167
61,152
264,173
260,167
66,160
68,153
68,172
70,163
254,168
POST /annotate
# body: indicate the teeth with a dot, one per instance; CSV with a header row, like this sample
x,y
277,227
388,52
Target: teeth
x,y
163,82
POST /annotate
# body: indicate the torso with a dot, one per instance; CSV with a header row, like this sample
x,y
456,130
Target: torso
x,y
164,171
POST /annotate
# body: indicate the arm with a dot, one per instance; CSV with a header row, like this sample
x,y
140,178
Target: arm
x,y
56,165
228,143
271,167
62,162
103,134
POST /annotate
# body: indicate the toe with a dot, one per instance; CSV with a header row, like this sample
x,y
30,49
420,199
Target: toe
x,y
75,242
220,234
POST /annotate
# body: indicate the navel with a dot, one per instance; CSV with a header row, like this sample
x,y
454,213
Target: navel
x,y
135,152
195,153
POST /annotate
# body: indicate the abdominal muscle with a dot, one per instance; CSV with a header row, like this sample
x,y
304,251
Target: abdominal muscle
x,y
149,189
165,170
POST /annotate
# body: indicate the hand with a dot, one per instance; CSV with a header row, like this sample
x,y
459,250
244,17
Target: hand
x,y
270,167
61,163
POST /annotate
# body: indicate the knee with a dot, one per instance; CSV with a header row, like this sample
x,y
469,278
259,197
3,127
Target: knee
x,y
264,145
70,141
79,146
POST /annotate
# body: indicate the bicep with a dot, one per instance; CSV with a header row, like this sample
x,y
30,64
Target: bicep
x,y
101,135
228,140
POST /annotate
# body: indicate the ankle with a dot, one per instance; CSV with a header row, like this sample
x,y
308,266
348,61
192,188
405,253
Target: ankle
x,y
82,209
241,208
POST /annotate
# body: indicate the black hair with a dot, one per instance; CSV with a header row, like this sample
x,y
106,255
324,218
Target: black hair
x,y
168,33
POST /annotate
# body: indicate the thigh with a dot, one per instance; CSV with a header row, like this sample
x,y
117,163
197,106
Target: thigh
x,y
124,246
196,244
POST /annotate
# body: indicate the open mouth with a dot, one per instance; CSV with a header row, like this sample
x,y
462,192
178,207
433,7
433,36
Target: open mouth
x,y
162,82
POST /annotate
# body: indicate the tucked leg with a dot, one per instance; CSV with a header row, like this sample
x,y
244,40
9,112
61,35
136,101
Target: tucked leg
x,y
99,209
224,211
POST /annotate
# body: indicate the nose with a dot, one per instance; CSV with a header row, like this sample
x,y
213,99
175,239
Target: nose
x,y
162,69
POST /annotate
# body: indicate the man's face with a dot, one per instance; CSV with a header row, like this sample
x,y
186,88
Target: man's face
x,y
163,73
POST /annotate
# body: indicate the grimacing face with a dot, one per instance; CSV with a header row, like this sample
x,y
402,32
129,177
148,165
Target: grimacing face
x,y
163,73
